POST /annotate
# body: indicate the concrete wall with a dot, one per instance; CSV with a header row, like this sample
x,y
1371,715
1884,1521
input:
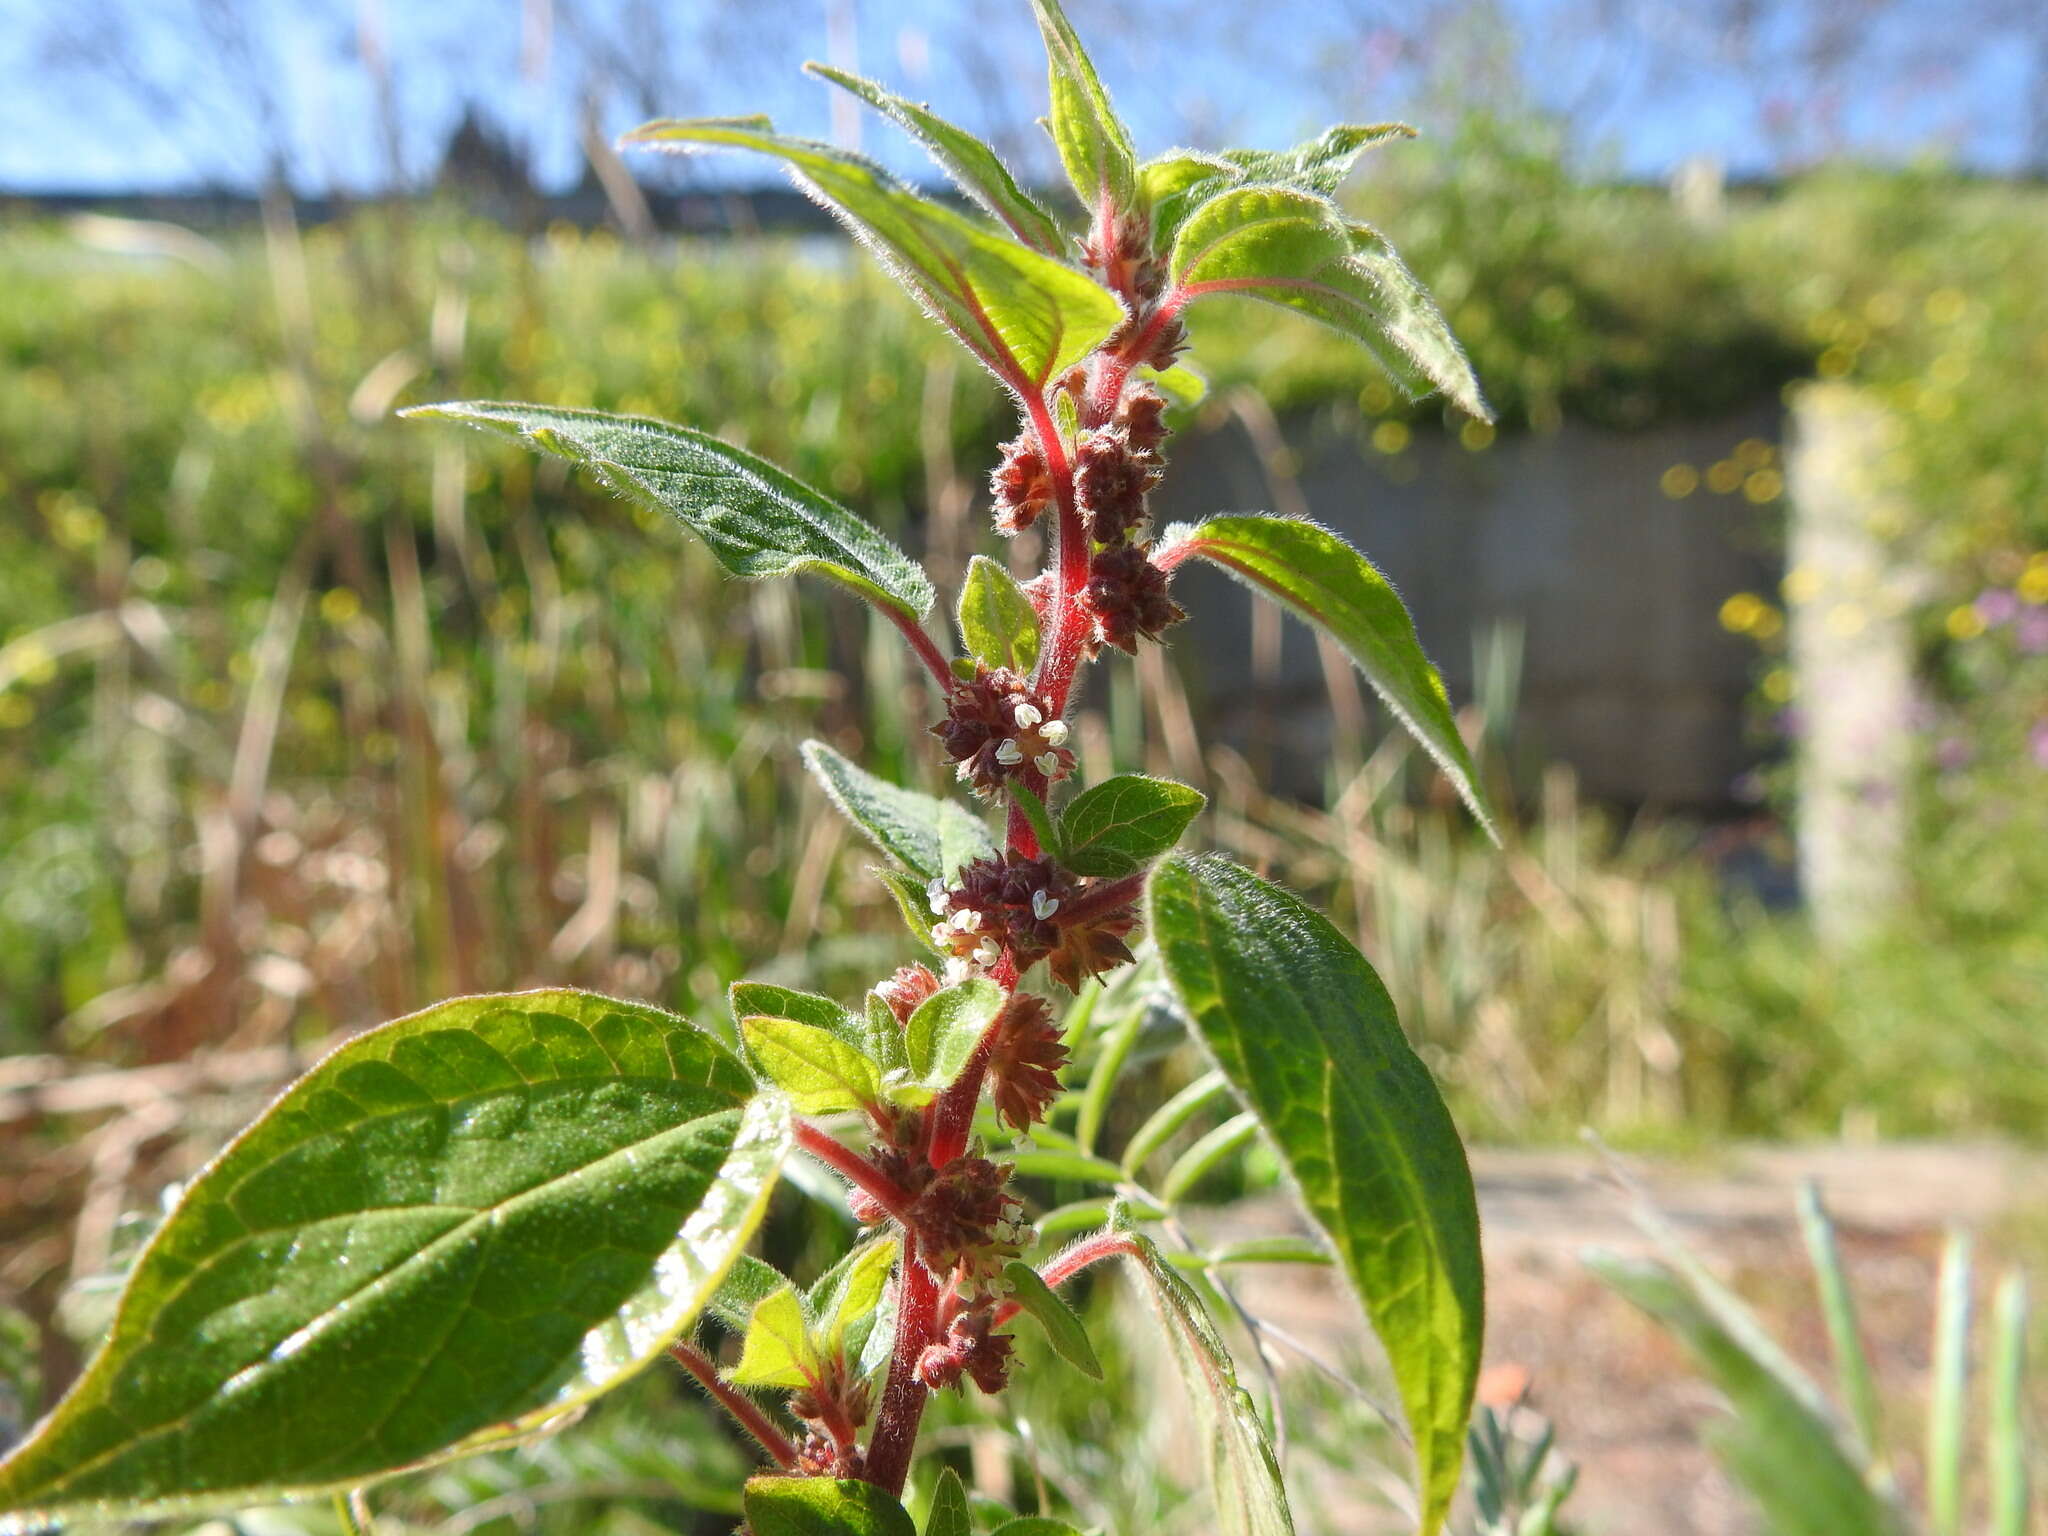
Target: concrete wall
x,y
1627,674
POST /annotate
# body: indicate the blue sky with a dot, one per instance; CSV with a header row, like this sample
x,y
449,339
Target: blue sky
x,y
120,94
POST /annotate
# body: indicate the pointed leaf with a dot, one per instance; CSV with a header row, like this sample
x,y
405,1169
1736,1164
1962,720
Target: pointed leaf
x,y
1838,1306
758,520
975,168
1948,1406
819,1506
1788,1457
997,622
1026,316
848,1294
931,837
1176,183
778,1351
764,999
1063,1329
741,1290
2006,1447
884,1035
1295,1017
1291,247
1322,164
454,1228
1323,581
1244,1478
949,1513
1095,147
819,1071
943,1031
1120,825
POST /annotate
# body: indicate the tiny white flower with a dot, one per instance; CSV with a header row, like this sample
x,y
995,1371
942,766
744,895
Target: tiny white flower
x,y
1009,753
1043,905
937,894
986,953
1047,763
1026,714
1054,732
942,934
956,971
967,920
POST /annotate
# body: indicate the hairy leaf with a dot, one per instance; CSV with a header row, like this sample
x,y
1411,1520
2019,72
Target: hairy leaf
x,y
975,168
1307,1035
941,1034
778,1350
1291,247
1244,1478
931,837
454,1228
997,622
847,1296
1323,581
819,1506
1025,315
741,1290
758,520
1321,164
764,999
1118,826
1094,146
1063,1329
1035,1525
819,1071
1788,1456
884,1035
949,1513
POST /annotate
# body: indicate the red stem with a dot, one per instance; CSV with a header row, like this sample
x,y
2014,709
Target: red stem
x,y
927,651
952,1114
735,1402
1064,1266
850,1165
895,1436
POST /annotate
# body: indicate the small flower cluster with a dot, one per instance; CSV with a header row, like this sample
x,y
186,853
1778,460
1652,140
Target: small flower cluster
x,y
832,1410
996,727
1117,465
971,1347
1032,910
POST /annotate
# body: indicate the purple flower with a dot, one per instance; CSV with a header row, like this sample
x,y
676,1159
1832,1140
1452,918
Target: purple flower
x,y
1995,605
1951,753
2032,631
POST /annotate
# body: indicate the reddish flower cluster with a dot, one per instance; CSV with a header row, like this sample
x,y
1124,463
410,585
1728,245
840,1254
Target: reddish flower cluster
x,y
1122,256
1024,1061
996,727
1033,910
1021,485
966,1218
971,1347
832,1408
1112,478
911,985
1126,596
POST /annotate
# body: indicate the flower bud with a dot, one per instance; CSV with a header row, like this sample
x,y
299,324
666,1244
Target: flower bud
x,y
995,725
1126,596
1021,486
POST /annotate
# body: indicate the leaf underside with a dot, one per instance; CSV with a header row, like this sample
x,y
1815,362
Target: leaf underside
x,y
758,520
455,1228
929,836
1301,1026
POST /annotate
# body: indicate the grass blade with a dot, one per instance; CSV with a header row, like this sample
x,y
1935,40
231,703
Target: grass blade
x,y
1838,1305
1946,1410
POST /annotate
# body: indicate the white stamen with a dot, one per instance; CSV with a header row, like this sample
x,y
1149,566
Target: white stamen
x,y
942,935
937,894
1026,715
1043,905
967,920
1047,763
1054,732
986,953
956,971
1009,754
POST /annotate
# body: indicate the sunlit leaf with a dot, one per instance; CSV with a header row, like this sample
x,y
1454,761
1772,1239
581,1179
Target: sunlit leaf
x,y
997,622
1297,1020
949,1513
759,521
1120,825
931,837
817,1070
976,169
1025,315
943,1030
1094,146
821,1506
1321,164
1323,581
1063,1329
764,999
847,1296
778,1350
454,1228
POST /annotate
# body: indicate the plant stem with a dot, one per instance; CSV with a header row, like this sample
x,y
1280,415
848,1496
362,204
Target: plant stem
x,y
850,1165
927,651
743,1408
952,1114
1064,1266
895,1436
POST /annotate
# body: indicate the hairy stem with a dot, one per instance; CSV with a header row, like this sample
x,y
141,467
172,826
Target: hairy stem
x,y
1063,1267
926,649
895,1436
952,1113
850,1165
743,1408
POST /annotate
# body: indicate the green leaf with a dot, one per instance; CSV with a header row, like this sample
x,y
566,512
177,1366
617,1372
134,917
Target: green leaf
x,y
975,168
1026,316
1169,1117
848,1294
1035,1525
778,1350
1281,1248
1323,163
1295,1017
1244,1478
820,1506
819,1071
741,1290
1324,582
1041,820
1290,247
1174,184
1063,1329
946,1026
1182,385
885,1036
764,999
1094,146
1120,825
1951,1368
2006,1441
758,521
949,1513
1193,1165
932,838
913,905
1775,1444
453,1229
997,622
1838,1306
1068,1165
